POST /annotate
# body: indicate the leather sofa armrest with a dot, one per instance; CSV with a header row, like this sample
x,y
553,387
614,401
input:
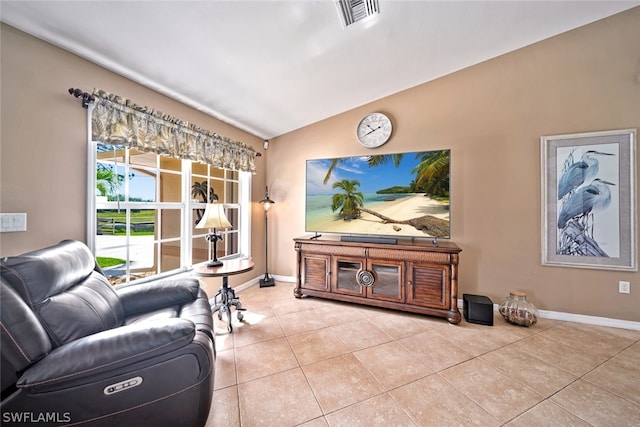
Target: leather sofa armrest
x,y
104,352
155,295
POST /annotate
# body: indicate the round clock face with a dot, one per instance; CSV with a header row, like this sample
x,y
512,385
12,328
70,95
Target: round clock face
x,y
374,130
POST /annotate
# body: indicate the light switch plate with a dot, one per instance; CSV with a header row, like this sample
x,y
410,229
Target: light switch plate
x,y
10,222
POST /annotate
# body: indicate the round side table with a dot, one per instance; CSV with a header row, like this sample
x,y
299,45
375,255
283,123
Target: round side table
x,y
226,296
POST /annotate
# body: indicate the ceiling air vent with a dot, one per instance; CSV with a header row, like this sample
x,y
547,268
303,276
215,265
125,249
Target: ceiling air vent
x,y
352,11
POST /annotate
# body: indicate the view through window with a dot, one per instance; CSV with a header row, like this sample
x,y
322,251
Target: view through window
x,y
147,206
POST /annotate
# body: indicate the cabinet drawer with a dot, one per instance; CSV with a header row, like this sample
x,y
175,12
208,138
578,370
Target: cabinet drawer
x,y
417,256
332,250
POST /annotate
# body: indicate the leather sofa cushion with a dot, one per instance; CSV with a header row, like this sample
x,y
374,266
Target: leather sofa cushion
x,y
24,341
70,298
106,352
145,297
82,310
166,299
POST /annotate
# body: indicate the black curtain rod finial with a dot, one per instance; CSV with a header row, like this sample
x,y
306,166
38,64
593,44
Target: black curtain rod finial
x,y
86,97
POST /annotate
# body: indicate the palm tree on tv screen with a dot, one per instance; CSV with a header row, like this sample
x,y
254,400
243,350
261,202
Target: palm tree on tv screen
x,y
349,201
372,161
432,173
432,178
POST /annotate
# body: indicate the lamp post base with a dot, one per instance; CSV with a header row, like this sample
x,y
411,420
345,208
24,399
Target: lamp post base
x,y
214,263
267,282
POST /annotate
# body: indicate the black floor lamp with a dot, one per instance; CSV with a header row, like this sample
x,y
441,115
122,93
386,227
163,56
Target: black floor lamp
x,y
266,204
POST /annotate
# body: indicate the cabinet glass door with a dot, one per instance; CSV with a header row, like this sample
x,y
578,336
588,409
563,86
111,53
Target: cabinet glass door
x,y
346,281
388,281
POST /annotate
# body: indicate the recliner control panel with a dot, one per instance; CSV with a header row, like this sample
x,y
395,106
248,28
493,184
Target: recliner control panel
x,y
122,385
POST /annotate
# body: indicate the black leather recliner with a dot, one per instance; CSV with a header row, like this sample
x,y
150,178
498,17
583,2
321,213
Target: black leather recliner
x,y
77,351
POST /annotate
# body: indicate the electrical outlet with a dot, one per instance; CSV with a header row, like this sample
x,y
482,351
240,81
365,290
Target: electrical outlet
x,y
624,287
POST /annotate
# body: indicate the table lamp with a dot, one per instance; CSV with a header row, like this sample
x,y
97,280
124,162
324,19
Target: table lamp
x,y
213,218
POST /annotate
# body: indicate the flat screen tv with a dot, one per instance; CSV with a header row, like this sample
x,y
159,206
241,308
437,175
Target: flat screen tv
x,y
384,196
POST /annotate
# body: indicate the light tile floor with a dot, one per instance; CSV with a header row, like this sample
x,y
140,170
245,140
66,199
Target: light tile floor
x,y
315,362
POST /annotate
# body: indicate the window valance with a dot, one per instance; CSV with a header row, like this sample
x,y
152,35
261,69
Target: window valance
x,y
118,121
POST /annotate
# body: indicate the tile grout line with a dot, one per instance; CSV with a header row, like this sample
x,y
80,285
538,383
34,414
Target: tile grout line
x,y
370,316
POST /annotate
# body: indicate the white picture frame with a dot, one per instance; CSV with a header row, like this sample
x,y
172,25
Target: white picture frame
x,y
589,200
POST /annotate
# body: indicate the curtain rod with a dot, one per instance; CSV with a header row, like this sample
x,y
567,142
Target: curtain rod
x,y
86,98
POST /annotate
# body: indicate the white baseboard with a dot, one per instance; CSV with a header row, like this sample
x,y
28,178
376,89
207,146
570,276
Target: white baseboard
x,y
545,314
256,280
591,320
289,279
580,318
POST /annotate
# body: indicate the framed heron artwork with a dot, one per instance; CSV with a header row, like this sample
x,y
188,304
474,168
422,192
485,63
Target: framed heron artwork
x,y
589,200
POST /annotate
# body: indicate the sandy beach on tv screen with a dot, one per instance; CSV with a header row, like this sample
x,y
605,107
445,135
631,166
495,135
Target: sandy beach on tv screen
x,y
400,209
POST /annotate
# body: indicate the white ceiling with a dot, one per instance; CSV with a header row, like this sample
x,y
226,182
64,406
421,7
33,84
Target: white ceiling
x,y
270,67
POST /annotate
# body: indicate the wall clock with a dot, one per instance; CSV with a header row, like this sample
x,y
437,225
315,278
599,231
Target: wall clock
x,y
374,130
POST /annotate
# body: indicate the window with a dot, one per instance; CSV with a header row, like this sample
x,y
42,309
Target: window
x,y
209,184
144,208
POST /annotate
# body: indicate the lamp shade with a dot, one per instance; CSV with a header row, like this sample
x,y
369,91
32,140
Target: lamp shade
x,y
266,202
214,217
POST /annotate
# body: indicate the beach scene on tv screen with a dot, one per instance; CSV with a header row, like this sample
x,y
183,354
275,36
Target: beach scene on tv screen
x,y
403,194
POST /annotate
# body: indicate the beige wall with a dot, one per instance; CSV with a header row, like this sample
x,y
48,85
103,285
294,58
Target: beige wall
x,y
43,146
492,116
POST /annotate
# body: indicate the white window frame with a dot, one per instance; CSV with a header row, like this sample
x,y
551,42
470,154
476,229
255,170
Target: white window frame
x,y
186,206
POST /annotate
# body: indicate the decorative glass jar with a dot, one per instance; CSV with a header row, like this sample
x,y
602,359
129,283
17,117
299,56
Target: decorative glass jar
x,y
516,309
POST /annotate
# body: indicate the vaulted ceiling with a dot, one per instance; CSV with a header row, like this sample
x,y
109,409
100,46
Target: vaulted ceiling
x,y
270,67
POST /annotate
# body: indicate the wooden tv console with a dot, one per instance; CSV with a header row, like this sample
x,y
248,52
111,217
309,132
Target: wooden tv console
x,y
414,276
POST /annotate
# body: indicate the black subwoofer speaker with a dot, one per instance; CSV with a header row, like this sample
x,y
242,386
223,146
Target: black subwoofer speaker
x,y
477,309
